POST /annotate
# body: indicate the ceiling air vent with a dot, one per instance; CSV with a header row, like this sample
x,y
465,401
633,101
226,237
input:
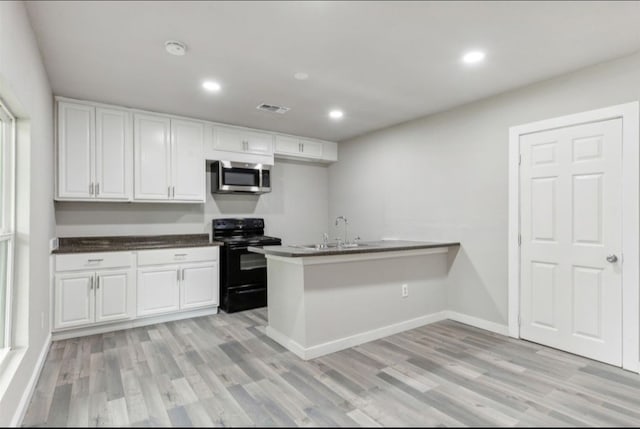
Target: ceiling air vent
x,y
272,108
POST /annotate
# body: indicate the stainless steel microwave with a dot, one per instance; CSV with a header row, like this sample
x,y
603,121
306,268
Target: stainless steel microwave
x,y
240,177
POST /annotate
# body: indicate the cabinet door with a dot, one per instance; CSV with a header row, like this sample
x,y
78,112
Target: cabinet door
x,y
152,154
113,155
114,295
76,134
310,149
229,139
259,143
187,161
74,299
287,145
199,286
158,290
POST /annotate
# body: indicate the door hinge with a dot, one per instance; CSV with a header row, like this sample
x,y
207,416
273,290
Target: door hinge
x,y
519,240
519,159
519,321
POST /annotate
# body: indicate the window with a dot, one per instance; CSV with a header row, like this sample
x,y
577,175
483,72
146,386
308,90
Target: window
x,y
7,230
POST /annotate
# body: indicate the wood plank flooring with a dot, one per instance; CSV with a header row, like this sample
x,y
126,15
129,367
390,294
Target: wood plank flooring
x,y
223,371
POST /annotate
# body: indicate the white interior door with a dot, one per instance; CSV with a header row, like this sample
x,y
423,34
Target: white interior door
x,y
571,231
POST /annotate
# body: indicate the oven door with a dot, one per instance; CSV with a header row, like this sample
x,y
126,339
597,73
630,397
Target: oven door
x,y
244,267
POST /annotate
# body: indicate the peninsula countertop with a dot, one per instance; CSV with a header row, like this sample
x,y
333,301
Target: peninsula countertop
x,y
131,242
296,251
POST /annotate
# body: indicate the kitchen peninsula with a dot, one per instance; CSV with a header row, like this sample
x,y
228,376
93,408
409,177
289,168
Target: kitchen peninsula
x,y
325,299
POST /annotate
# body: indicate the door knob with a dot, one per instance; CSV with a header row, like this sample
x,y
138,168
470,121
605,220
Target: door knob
x,y
612,258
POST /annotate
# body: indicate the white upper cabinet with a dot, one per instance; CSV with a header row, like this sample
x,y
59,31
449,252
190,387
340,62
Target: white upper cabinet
x,y
152,157
76,137
239,140
287,145
293,147
259,142
113,177
109,153
169,159
94,153
188,166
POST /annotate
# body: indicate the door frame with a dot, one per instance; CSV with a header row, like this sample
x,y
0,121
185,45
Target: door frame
x,y
629,113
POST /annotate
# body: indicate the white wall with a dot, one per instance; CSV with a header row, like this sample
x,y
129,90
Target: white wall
x,y
296,210
25,88
444,177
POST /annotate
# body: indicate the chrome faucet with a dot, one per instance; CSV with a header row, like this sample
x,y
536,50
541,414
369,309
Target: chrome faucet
x,y
344,241
325,241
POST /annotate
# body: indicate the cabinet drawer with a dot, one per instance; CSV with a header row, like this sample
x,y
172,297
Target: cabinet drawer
x,y
91,261
173,256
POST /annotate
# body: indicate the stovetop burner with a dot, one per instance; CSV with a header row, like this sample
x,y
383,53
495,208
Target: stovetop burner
x,y
250,240
245,231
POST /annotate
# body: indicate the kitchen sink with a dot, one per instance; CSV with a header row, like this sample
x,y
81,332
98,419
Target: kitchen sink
x,y
333,246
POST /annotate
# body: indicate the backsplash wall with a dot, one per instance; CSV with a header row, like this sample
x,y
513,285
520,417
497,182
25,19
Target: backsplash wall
x,y
296,210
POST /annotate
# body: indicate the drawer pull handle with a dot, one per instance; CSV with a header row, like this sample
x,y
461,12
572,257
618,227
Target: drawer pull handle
x,y
180,254
96,260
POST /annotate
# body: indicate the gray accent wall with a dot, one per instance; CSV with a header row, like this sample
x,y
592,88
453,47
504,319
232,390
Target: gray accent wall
x,y
445,176
25,89
296,210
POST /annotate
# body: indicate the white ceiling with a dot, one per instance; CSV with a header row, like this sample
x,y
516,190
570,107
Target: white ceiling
x,y
381,62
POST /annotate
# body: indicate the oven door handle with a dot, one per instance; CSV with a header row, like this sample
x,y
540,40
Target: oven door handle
x,y
241,292
261,267
236,248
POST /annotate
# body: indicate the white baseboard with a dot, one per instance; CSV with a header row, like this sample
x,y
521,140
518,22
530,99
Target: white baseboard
x,y
478,323
286,342
133,323
318,350
23,406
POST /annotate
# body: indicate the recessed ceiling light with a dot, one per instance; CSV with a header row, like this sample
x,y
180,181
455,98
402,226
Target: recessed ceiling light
x,y
175,47
301,76
336,114
473,57
210,85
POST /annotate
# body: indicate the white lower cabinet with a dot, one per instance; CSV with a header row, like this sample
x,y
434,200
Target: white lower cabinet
x,y
165,286
114,295
197,290
74,301
87,297
158,290
99,288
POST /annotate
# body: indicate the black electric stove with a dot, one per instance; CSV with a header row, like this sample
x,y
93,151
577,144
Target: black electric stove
x,y
243,274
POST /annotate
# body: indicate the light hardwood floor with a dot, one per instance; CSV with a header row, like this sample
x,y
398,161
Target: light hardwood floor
x,y
223,371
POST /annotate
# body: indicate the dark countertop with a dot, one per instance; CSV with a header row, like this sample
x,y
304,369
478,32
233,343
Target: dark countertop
x,y
364,247
131,242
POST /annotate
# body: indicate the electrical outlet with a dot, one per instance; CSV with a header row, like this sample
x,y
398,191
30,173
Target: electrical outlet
x,y
405,290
